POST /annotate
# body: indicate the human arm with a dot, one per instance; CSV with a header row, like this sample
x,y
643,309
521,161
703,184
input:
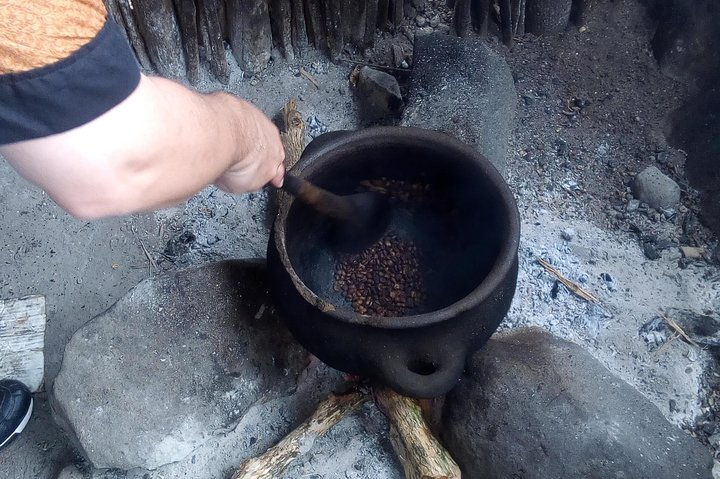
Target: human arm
x,y
160,145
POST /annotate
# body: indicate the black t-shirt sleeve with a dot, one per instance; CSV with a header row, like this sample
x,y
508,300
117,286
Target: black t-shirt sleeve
x,y
71,92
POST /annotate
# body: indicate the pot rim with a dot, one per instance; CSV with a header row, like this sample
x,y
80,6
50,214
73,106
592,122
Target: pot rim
x,y
386,135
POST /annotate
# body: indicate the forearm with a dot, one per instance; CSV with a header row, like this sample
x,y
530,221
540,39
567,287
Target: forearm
x,y
159,146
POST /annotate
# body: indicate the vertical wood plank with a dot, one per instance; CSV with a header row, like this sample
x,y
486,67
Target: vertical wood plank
x,y
136,41
371,18
213,39
187,20
299,30
158,27
281,26
22,340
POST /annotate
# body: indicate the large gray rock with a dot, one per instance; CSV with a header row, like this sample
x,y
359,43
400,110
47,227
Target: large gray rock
x,y
177,361
378,94
656,189
534,406
460,86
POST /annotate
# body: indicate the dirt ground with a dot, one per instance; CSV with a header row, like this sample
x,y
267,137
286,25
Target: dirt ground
x,y
591,113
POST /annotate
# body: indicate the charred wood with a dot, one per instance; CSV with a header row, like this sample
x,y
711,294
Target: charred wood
x,y
506,22
371,18
383,14
397,11
132,34
354,11
187,19
334,28
157,24
461,17
250,34
281,26
212,35
315,24
480,12
299,30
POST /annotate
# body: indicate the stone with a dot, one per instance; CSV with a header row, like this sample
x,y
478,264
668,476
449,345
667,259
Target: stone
x,y
543,17
176,362
420,21
463,88
632,205
656,189
534,406
378,95
568,234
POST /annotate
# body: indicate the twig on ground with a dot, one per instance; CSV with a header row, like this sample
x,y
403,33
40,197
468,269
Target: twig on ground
x,y
373,65
147,255
567,283
275,460
304,73
678,330
667,343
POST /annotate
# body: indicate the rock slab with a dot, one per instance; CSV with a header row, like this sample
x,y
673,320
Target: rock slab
x,y
461,87
534,406
180,359
656,189
379,95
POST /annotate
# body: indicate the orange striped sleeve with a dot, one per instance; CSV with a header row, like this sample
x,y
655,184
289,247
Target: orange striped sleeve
x,y
34,34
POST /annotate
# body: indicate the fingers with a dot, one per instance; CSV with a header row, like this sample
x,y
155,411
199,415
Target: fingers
x,y
278,179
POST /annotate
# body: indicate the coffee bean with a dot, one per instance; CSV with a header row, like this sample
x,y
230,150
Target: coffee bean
x,y
383,280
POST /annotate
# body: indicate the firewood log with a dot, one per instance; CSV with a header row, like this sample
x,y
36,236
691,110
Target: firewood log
x,y
275,460
421,454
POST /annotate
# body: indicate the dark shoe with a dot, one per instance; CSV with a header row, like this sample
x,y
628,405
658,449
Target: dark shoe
x,y
16,405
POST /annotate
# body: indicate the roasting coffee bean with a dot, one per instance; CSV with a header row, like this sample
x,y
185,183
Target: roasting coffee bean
x,y
383,280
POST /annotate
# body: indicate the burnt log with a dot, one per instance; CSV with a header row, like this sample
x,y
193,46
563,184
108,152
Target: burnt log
x,y
250,33
299,28
159,29
383,12
371,18
397,12
187,19
120,10
334,28
480,13
461,17
281,27
506,22
212,36
315,24
354,29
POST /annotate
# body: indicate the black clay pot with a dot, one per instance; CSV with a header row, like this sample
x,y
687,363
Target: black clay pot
x,y
468,236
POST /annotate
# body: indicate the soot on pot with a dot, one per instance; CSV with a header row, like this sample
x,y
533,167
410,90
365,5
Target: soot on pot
x,y
385,279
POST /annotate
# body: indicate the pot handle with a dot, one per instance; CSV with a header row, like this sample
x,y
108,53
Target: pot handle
x,y
422,378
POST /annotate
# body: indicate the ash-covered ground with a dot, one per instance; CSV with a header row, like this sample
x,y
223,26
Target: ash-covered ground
x,y
591,113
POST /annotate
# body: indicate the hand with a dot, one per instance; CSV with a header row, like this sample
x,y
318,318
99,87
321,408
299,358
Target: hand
x,y
260,153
